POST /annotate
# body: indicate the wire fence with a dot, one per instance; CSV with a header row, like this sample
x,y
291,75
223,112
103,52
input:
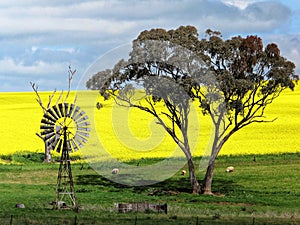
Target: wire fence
x,y
145,220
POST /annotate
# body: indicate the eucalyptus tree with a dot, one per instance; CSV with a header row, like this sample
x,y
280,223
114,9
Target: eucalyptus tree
x,y
233,80
249,78
163,70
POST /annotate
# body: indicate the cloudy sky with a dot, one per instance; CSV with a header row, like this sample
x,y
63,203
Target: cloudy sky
x,y
39,39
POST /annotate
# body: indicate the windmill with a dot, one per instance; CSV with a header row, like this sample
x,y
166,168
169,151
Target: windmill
x,y
66,128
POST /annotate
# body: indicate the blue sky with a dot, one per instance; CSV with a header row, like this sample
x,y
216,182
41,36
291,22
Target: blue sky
x,y
39,39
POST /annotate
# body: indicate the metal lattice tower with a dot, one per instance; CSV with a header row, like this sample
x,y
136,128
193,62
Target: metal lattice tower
x,y
65,128
65,185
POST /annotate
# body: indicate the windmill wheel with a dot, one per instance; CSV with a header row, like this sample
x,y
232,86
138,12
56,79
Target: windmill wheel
x,y
65,122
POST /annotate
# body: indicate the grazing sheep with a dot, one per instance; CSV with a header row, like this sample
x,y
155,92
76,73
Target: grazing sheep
x,y
183,172
115,171
230,169
20,206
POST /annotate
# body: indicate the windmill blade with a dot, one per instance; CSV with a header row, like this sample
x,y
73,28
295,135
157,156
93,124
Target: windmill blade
x,y
77,109
79,144
83,133
52,114
57,131
44,127
59,146
48,136
72,107
87,123
84,137
81,138
82,119
54,143
79,115
48,131
44,121
67,109
72,120
48,117
50,140
56,111
62,110
83,129
74,145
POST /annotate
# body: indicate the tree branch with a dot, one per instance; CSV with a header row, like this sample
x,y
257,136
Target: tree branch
x,y
38,99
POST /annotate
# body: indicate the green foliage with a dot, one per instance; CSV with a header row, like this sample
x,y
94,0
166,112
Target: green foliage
x,y
234,81
23,157
27,157
7,157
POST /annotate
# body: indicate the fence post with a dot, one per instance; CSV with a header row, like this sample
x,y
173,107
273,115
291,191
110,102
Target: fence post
x,y
11,220
135,221
75,220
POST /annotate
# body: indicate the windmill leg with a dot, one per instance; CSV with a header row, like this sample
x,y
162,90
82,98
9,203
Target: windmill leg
x,y
58,183
72,189
65,184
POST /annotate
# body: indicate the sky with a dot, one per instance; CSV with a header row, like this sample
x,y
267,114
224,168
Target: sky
x,y
39,39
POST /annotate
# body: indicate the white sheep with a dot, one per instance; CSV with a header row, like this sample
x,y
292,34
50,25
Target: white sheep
x,y
183,172
229,169
115,171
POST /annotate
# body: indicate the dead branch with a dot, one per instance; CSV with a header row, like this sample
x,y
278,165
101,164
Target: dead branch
x,y
39,135
50,99
71,74
59,97
38,99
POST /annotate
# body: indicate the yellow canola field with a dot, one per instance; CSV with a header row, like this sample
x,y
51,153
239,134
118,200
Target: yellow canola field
x,y
131,134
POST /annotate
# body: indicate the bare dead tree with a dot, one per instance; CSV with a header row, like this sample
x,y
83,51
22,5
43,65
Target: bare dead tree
x,y
46,106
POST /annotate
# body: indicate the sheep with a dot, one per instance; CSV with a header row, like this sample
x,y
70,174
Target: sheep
x,y
115,171
183,172
229,169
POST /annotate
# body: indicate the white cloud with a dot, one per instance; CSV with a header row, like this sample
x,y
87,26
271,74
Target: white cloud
x,y
38,68
39,36
242,4
119,17
17,75
42,25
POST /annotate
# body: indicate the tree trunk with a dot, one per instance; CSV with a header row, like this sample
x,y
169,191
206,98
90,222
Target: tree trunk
x,y
193,179
215,149
47,150
47,158
206,185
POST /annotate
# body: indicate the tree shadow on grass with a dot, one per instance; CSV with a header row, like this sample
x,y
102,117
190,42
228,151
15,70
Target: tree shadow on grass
x,y
180,185
170,186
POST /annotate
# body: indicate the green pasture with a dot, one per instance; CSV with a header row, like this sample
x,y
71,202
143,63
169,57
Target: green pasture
x,y
264,191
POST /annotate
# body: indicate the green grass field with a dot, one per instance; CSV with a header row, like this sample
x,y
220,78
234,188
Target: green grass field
x,y
261,192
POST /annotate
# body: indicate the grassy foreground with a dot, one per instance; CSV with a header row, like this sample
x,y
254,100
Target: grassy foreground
x,y
264,191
